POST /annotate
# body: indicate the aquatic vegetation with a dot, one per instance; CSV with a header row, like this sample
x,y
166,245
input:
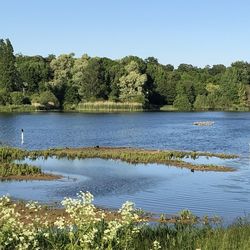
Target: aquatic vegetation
x,y
83,226
109,106
11,170
136,155
8,154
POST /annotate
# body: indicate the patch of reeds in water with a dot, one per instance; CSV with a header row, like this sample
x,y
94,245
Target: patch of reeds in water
x,y
15,170
109,106
11,170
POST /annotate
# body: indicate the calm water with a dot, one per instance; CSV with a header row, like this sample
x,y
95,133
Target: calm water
x,y
154,188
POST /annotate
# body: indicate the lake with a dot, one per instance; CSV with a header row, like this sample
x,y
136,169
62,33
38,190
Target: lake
x,y
153,187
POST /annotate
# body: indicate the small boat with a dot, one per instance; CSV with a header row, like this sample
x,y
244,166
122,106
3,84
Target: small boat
x,y
205,123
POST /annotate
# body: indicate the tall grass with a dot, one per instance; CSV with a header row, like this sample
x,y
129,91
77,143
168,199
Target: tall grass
x,y
9,169
14,169
8,154
109,106
17,108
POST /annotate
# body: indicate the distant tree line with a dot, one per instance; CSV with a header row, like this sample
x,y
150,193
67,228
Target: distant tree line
x,y
65,80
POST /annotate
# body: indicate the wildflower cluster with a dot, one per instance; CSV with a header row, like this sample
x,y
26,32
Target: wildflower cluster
x,y
83,226
15,234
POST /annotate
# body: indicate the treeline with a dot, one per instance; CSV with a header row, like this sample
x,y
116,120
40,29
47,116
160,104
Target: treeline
x,y
66,81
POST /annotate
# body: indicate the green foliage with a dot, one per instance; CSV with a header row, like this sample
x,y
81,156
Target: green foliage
x,y
182,103
71,95
131,84
4,97
46,99
8,73
130,79
201,103
34,72
90,80
18,98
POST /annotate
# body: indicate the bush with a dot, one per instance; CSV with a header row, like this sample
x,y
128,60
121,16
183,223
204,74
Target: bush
x,y
17,98
46,99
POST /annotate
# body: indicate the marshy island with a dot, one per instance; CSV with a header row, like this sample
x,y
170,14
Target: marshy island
x,y
11,168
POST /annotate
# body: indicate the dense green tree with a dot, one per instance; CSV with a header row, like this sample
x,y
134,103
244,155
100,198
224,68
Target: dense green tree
x,y
90,81
181,102
69,80
131,85
8,74
62,75
201,103
34,72
71,95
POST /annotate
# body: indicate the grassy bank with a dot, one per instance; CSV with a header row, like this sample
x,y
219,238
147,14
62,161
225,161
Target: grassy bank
x,y
80,225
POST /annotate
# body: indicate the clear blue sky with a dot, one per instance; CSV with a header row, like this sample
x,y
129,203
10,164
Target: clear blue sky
x,y
199,32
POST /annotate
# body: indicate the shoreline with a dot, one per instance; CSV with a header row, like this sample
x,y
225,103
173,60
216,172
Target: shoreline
x,y
162,109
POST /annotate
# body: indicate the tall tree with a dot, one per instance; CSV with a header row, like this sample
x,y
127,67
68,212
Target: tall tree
x,y
131,84
34,71
62,70
8,73
90,80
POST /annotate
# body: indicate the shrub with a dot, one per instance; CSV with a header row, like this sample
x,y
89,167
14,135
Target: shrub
x,y
18,98
46,99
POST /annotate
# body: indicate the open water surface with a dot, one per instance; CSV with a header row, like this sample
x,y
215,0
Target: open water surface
x,y
152,187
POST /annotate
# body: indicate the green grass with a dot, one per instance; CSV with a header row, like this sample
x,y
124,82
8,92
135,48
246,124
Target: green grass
x,y
233,237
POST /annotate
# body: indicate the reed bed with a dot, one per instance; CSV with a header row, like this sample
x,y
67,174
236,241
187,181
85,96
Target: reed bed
x,y
109,106
14,169
9,169
17,108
